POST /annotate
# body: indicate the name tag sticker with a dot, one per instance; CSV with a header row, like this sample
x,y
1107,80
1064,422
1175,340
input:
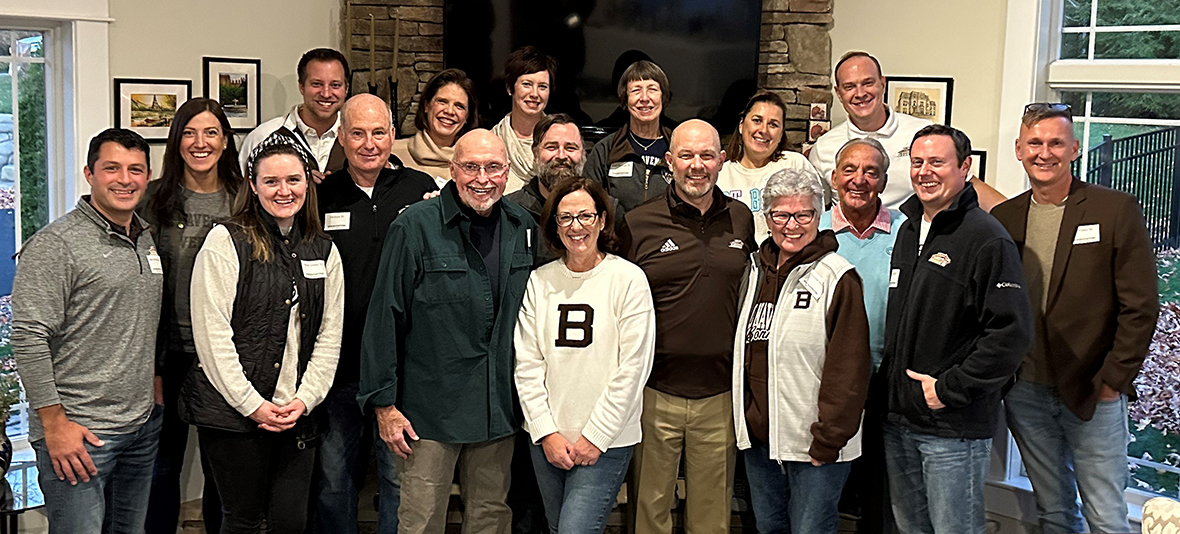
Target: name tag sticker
x,y
893,276
337,221
620,169
154,263
1087,233
314,269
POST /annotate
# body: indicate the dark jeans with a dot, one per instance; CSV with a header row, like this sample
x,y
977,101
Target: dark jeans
x,y
115,500
793,497
262,476
163,512
344,461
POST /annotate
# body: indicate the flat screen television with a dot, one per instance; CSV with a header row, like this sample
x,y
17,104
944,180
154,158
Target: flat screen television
x,y
708,48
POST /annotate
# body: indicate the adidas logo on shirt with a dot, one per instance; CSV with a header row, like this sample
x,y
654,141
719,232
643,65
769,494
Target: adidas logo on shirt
x,y
669,246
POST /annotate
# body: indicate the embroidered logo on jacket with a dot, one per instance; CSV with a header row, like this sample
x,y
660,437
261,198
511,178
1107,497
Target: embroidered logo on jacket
x,y
940,259
669,246
737,243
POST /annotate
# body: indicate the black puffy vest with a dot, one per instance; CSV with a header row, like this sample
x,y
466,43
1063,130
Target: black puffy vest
x,y
261,311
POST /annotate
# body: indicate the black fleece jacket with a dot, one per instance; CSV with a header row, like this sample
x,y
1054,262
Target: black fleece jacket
x,y
958,312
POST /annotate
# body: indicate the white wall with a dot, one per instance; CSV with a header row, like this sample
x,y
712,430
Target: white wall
x,y
962,39
168,38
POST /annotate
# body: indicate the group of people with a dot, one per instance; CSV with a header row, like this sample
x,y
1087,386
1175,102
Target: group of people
x,y
651,306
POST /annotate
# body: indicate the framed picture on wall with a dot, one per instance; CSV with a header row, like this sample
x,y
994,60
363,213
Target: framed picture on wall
x,y
979,164
147,106
235,84
925,98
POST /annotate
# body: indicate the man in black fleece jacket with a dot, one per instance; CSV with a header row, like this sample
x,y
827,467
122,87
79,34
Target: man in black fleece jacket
x,y
957,327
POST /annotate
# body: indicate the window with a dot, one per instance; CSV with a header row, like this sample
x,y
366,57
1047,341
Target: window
x,y
1120,29
24,179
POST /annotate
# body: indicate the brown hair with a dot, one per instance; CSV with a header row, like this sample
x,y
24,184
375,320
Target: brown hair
x,y
528,60
850,55
439,81
548,122
1039,111
247,210
735,149
607,241
644,70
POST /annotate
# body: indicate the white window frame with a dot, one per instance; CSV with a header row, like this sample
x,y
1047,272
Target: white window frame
x,y
1031,73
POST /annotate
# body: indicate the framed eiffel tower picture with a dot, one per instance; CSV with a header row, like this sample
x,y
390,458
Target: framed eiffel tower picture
x,y
147,106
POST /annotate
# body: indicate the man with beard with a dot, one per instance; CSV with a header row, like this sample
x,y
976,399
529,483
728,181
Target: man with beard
x,y
693,242
557,147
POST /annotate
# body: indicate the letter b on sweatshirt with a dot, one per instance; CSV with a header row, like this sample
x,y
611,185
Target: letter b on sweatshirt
x,y
566,325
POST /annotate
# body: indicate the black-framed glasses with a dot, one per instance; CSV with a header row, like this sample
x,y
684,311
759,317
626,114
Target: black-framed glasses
x,y
492,169
585,219
783,217
1056,107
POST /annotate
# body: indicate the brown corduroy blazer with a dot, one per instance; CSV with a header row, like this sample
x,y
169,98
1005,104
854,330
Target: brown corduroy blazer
x,y
1103,299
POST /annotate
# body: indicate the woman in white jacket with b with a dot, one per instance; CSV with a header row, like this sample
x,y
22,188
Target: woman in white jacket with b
x,y
584,347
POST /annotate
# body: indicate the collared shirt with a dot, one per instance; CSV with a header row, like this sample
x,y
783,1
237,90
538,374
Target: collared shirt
x,y
895,135
321,145
882,223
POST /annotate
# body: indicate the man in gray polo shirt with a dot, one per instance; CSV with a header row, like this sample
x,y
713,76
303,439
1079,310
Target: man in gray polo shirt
x,y
86,306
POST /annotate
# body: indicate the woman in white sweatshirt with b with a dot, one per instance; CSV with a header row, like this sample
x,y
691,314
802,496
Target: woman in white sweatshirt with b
x,y
584,347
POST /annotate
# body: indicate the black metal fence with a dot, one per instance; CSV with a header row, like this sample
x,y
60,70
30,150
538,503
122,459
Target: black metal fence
x,y
1147,166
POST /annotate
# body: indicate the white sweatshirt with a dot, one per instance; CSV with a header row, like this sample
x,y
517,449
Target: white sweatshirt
x,y
584,349
213,291
746,185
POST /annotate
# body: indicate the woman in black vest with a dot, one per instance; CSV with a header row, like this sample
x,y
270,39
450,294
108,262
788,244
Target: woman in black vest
x,y
267,305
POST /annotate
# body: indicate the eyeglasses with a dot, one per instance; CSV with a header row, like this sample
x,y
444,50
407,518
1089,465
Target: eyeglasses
x,y
492,169
1056,107
585,219
781,218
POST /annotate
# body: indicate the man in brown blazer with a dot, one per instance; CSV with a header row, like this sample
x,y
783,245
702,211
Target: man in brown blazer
x,y
1090,274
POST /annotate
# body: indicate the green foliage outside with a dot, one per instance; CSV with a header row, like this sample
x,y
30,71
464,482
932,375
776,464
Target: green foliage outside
x,y
34,174
1139,45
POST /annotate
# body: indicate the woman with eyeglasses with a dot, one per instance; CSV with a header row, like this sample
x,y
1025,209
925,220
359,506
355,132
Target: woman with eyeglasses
x,y
584,348
801,364
267,310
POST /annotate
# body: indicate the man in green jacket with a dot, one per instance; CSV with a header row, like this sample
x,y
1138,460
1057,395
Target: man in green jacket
x,y
437,358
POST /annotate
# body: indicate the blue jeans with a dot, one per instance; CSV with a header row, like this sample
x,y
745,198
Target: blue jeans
x,y
793,496
344,453
116,499
1064,455
936,483
579,501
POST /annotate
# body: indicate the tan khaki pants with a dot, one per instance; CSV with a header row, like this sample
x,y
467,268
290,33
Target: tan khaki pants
x,y
484,477
701,429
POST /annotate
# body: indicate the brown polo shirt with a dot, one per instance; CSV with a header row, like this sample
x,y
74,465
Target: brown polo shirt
x,y
695,265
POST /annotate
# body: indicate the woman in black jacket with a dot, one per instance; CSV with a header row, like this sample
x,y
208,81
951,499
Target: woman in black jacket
x,y
267,307
196,188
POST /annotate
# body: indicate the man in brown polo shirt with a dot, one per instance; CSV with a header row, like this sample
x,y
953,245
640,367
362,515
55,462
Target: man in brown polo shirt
x,y
693,242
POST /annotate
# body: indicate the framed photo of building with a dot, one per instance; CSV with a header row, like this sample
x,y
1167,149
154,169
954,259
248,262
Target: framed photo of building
x,y
925,98
147,106
236,85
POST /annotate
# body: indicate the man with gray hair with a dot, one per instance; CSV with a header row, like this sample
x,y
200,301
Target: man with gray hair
x,y
357,205
693,242
866,230
437,362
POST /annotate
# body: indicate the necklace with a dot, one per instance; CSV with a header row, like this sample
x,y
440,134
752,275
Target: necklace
x,y
646,147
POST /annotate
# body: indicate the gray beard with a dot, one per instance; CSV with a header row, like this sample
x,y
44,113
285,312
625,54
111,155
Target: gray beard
x,y
550,175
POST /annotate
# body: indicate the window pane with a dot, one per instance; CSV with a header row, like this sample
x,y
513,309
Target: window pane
x,y
1136,105
29,44
1076,101
1116,131
1075,45
34,156
1138,12
5,88
1077,13
1137,45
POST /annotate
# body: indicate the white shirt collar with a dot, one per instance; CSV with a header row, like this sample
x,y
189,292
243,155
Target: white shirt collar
x,y
887,130
294,121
